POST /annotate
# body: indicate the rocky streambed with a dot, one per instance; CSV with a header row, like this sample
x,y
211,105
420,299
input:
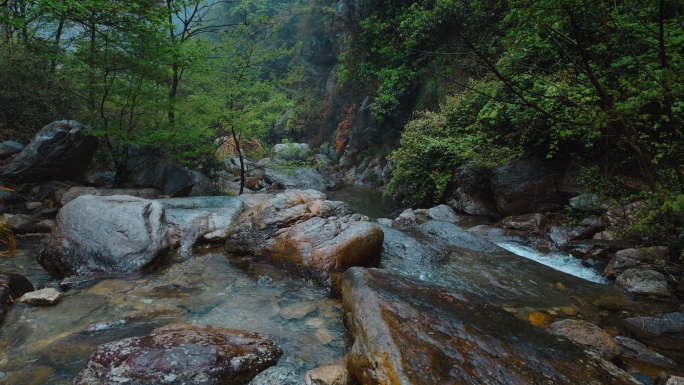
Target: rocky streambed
x,y
214,290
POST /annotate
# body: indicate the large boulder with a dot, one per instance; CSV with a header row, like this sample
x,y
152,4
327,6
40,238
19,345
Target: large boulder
x,y
59,151
170,178
407,331
526,186
442,213
297,178
181,354
641,282
116,234
587,228
324,248
472,194
589,335
299,230
12,287
531,223
292,151
201,219
630,258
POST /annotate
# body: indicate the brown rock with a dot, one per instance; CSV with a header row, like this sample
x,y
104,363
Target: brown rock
x,y
636,351
533,223
633,258
41,297
181,354
405,331
589,335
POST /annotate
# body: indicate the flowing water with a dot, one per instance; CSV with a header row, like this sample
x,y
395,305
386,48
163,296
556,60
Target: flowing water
x,y
50,345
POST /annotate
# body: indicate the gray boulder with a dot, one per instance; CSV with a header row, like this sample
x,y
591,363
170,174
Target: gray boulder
x,y
532,223
636,351
526,186
442,213
276,375
644,283
587,228
405,219
664,332
19,224
59,151
117,234
298,178
586,202
9,148
201,219
630,258
181,354
170,178
292,151
473,193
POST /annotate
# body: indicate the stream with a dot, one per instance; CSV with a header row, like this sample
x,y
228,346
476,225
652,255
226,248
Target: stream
x,y
50,345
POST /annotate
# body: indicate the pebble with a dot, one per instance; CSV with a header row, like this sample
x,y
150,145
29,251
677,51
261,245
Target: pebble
x,y
568,310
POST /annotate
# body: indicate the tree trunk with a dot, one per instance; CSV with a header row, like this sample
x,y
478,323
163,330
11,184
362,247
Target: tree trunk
x,y
58,37
242,162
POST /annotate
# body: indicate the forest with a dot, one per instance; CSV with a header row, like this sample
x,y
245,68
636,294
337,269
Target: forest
x,y
330,155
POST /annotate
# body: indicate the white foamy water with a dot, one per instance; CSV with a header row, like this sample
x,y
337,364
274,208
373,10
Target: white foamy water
x,y
558,261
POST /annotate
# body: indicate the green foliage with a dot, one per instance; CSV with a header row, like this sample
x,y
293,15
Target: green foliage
x,y
660,224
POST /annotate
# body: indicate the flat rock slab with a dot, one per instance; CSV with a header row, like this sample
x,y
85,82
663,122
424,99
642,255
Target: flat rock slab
x,y
405,331
589,335
181,354
43,297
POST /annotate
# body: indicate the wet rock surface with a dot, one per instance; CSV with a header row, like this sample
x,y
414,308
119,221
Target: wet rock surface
x,y
662,332
12,287
43,297
115,234
180,354
636,351
589,335
59,151
533,223
299,230
9,148
201,219
298,178
453,338
277,375
442,213
644,283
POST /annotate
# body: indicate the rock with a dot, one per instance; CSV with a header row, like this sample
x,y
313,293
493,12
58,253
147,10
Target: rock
x,y
644,283
586,202
680,285
274,212
75,192
203,186
46,226
181,354
8,197
96,179
322,159
595,248
19,224
526,186
276,375
59,151
171,179
598,265
675,380
252,170
292,151
117,234
538,319
406,331
453,235
636,351
472,194
41,297
324,248
405,219
560,236
145,193
298,178
605,235
587,228
589,335
664,332
201,219
442,213
327,375
12,287
531,223
384,222
9,148
633,258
